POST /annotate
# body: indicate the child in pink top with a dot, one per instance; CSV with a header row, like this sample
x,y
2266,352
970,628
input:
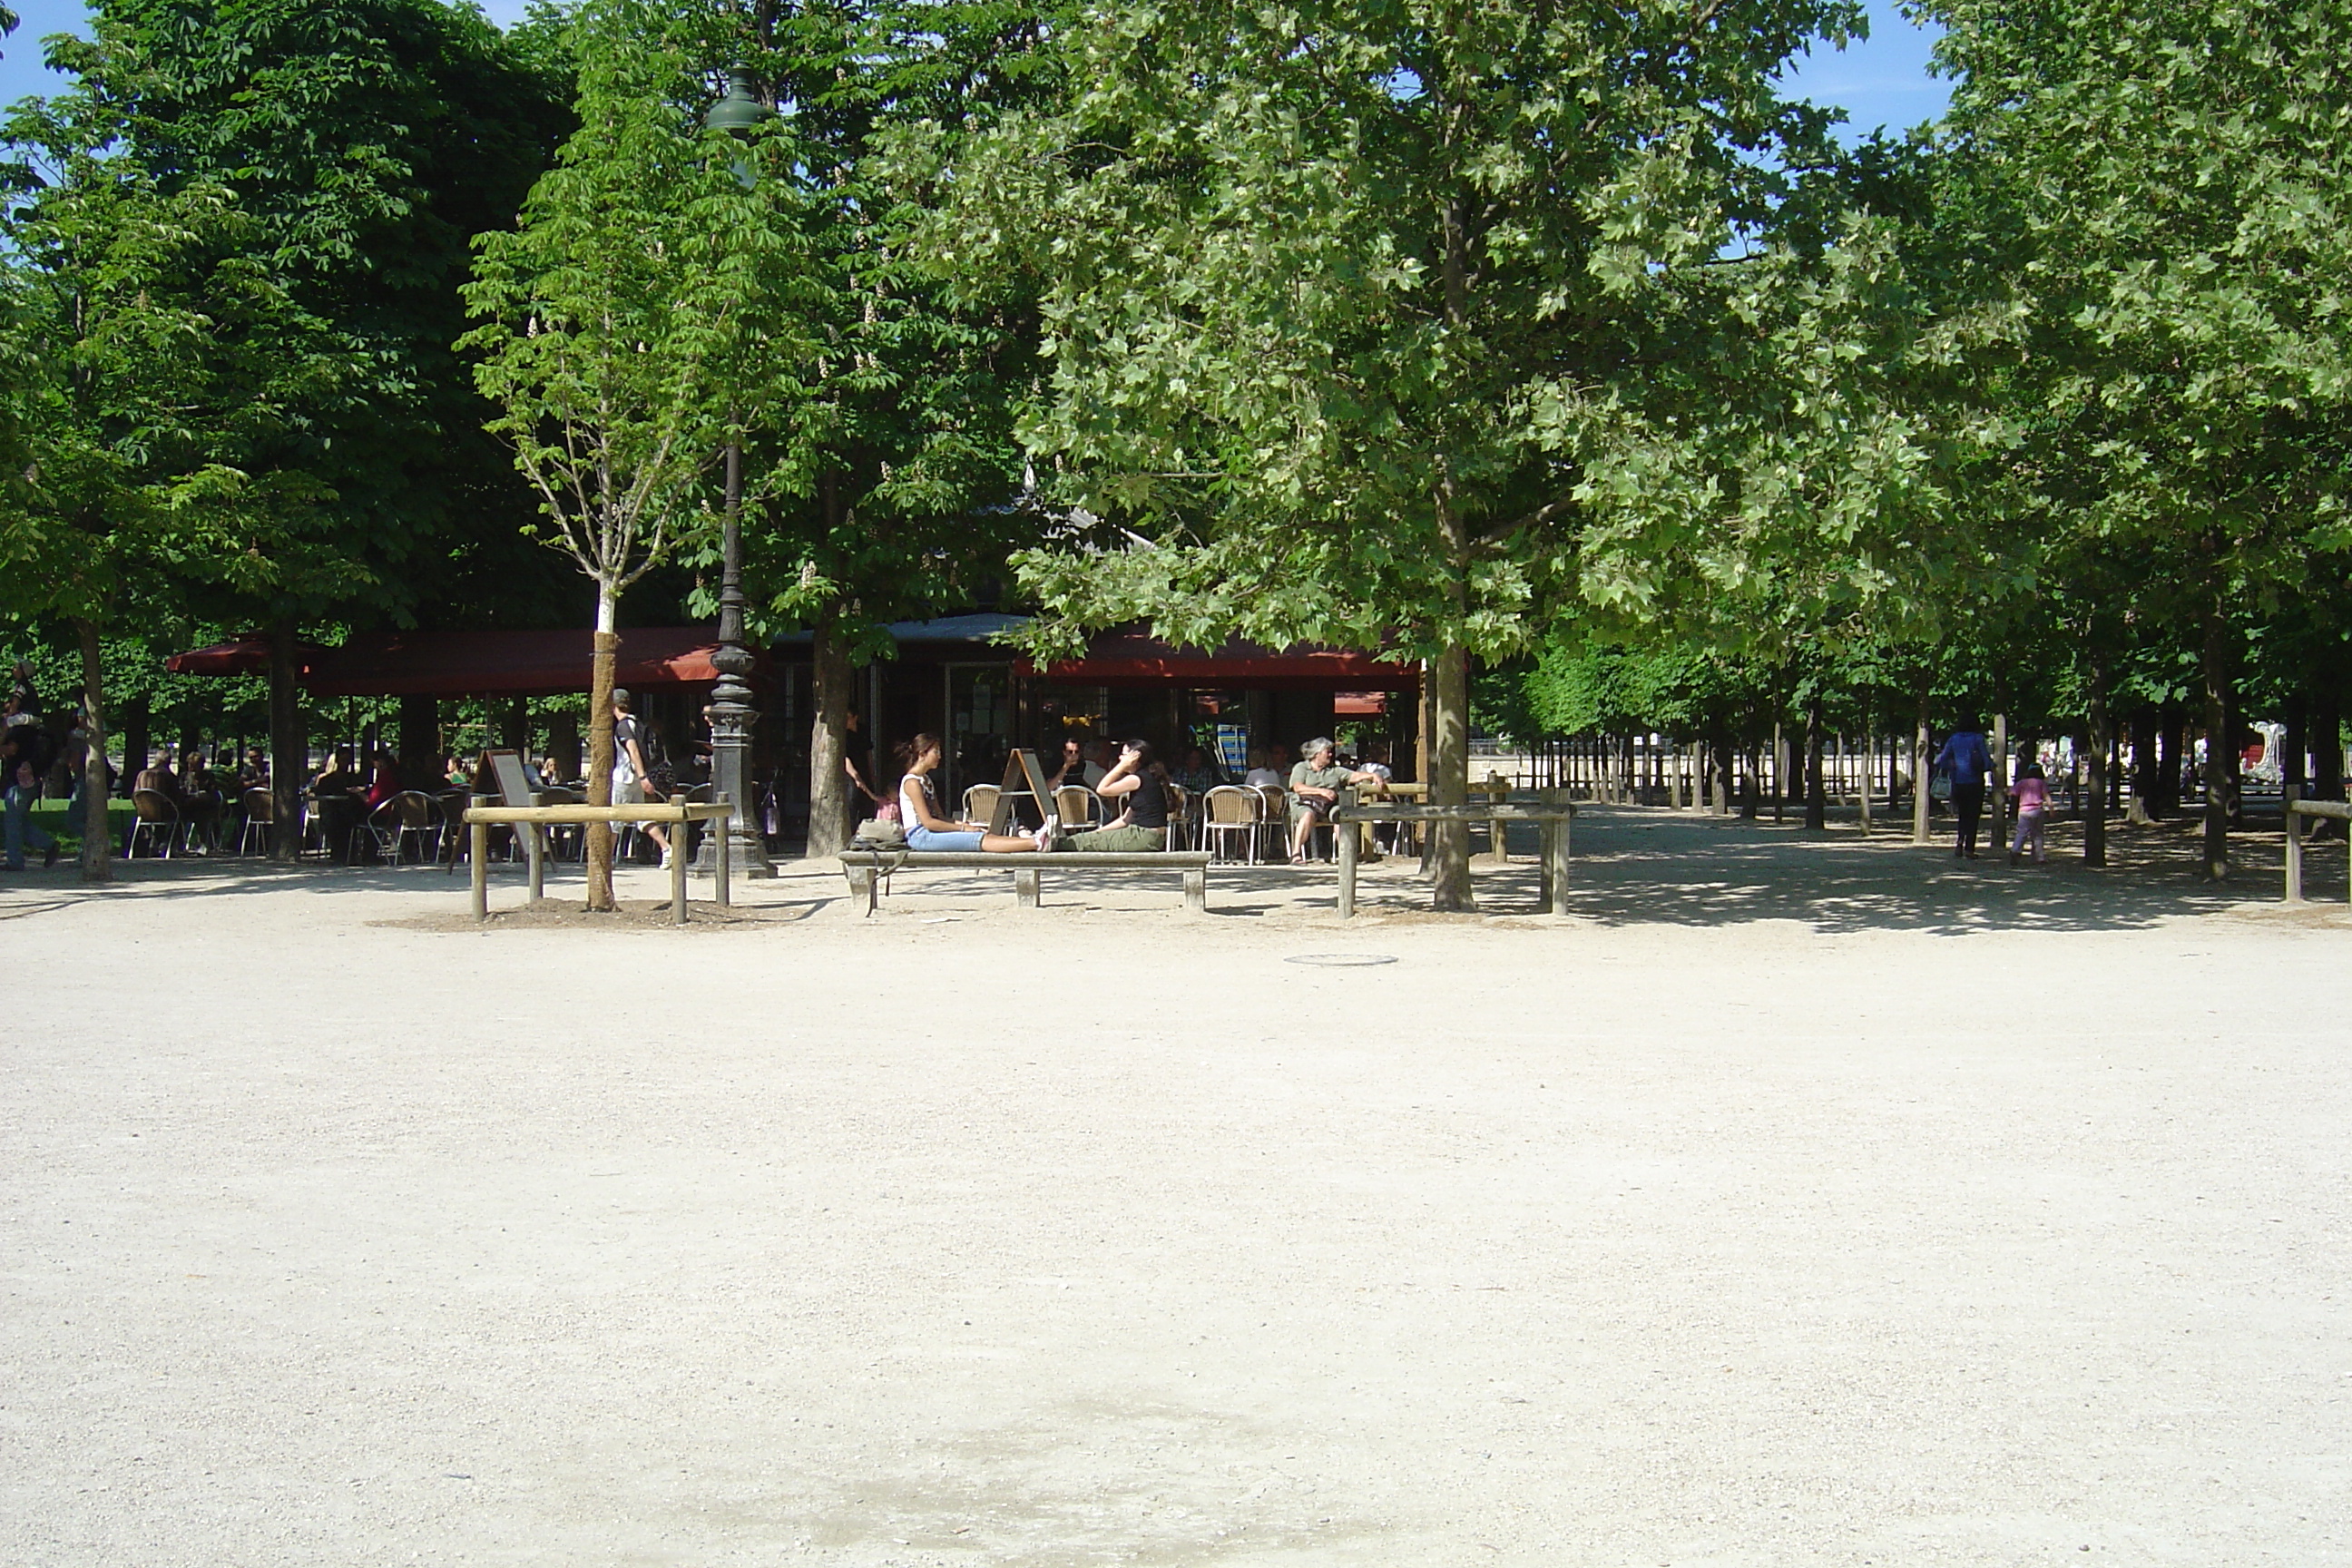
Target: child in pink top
x,y
2031,793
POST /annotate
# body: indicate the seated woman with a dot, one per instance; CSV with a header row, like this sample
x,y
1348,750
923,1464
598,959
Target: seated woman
x,y
918,811
1142,826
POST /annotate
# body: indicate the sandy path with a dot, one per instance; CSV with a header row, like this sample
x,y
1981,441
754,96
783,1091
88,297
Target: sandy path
x,y
1938,1217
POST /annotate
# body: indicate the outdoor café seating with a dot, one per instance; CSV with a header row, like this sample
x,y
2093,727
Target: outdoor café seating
x,y
412,817
156,821
1230,813
260,813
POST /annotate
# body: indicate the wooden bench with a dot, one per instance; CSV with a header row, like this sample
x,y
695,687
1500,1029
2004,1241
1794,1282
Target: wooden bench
x,y
536,819
860,866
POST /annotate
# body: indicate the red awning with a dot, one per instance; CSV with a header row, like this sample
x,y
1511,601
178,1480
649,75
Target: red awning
x,y
467,663
247,655
506,663
1132,659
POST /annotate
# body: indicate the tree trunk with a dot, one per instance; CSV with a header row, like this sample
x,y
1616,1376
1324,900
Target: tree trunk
x,y
1449,780
1779,773
2171,745
2294,771
2142,764
514,725
1922,796
96,786
2094,820
420,744
2217,746
600,748
2326,743
289,749
831,681
1817,800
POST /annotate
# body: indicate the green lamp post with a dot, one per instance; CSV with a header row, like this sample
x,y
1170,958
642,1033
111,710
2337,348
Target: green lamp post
x,y
732,717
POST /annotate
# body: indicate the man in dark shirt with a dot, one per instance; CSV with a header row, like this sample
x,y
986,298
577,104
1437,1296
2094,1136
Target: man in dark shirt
x,y
1969,760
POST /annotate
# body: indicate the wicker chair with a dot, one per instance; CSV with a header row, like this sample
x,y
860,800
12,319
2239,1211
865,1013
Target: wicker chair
x,y
980,803
1077,806
260,808
1228,811
155,817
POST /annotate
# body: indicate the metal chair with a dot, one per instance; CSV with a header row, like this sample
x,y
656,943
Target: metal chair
x,y
1077,806
1180,816
980,803
1273,820
410,815
155,816
260,808
1229,811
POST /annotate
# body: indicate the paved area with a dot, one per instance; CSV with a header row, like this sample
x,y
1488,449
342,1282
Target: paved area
x,y
1798,1201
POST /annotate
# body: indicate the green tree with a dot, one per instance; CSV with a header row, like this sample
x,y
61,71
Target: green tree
x,y
620,318
1398,326
160,367
878,464
366,141
2152,198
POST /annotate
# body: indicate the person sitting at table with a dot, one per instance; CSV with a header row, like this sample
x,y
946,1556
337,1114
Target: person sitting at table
x,y
1142,826
1260,775
157,775
1315,785
1197,777
1073,766
928,831
200,801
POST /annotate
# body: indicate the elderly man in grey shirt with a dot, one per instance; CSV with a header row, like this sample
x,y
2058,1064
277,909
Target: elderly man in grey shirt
x,y
1315,785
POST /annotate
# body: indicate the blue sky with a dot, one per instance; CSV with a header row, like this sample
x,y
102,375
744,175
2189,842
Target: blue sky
x,y
1882,82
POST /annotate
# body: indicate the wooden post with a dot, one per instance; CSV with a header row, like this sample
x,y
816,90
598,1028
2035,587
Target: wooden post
x,y
2294,849
677,865
1343,843
1555,852
538,853
481,843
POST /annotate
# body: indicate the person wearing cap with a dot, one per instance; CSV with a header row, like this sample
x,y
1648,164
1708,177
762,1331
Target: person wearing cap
x,y
629,766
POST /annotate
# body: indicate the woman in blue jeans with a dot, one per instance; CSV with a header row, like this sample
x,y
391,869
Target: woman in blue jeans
x,y
918,811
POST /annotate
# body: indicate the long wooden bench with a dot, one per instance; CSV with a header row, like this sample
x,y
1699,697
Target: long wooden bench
x,y
861,866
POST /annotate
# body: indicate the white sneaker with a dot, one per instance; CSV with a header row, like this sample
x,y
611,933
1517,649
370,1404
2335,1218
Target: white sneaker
x,y
666,855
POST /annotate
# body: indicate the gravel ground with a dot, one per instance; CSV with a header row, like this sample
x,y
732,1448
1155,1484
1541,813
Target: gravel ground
x,y
1798,1201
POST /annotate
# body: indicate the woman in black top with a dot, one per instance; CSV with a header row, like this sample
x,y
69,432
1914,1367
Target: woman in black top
x,y
1138,781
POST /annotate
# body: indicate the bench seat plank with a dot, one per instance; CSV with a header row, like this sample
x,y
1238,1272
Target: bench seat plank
x,y
1028,869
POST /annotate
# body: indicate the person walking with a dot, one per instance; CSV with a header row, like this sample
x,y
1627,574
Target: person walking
x,y
24,789
2033,796
1967,759
629,767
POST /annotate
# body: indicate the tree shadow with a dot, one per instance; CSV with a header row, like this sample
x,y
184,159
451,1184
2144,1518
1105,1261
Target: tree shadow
x,y
1643,867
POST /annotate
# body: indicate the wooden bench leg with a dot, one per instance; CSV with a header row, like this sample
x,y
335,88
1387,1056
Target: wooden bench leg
x,y
1025,887
1196,891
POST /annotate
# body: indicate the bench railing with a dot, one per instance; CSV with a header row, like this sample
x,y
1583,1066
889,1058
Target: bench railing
x,y
1552,814
537,819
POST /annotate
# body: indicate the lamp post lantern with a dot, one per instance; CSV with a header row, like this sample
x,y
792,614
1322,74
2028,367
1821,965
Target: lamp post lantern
x,y
731,713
